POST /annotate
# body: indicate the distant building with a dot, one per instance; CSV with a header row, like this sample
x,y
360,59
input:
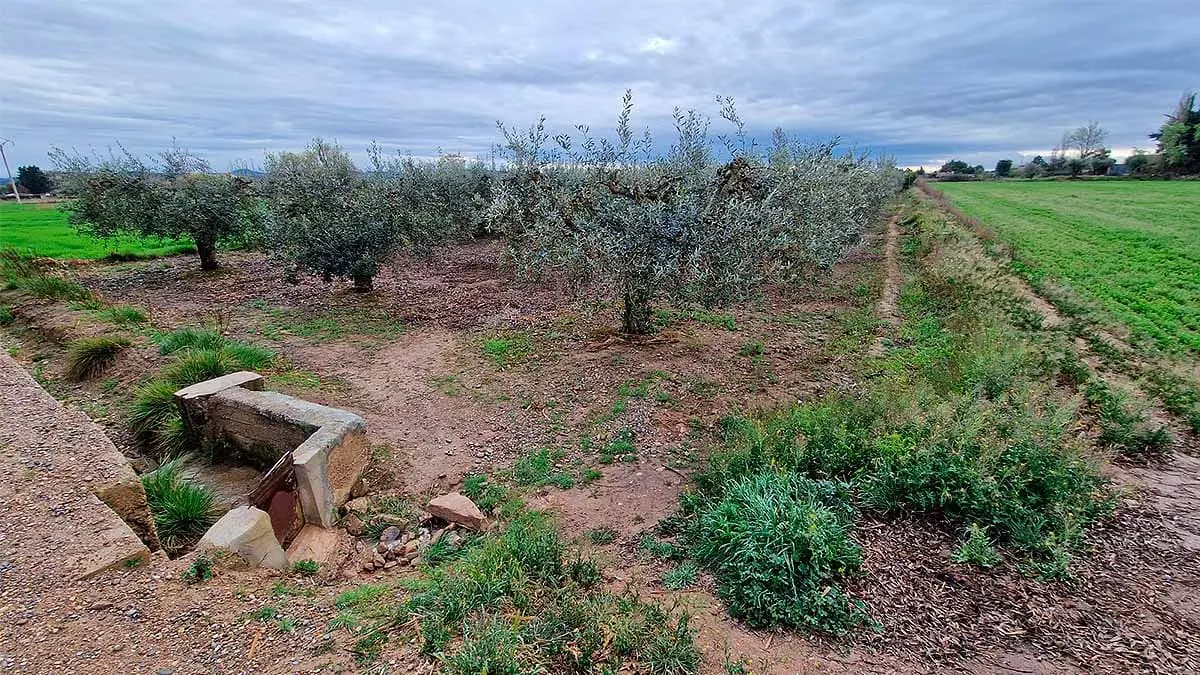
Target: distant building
x,y
1118,170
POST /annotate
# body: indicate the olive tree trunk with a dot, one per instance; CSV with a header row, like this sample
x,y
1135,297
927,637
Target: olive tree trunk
x,y
207,248
364,283
637,318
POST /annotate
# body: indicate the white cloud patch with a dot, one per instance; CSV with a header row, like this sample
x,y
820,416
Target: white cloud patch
x,y
659,45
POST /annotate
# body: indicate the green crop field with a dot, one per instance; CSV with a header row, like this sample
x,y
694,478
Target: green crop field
x,y
1130,247
43,229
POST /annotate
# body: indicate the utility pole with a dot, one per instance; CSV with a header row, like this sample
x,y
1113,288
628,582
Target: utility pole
x,y
11,182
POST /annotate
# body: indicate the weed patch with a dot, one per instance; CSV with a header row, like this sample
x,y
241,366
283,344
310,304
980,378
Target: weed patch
x,y
507,349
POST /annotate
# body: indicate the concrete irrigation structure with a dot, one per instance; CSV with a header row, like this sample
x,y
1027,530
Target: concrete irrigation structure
x,y
312,455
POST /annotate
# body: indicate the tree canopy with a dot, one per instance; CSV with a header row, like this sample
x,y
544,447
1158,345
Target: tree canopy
x,y
682,225
35,180
172,195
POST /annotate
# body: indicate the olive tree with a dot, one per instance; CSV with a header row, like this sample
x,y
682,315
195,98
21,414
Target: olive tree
x,y
331,219
682,225
173,195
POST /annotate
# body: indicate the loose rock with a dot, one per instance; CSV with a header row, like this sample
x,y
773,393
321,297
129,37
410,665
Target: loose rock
x,y
456,507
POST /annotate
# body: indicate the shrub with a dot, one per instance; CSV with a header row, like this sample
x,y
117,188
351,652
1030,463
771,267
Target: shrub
x,y
90,356
778,544
6,316
681,226
172,195
182,509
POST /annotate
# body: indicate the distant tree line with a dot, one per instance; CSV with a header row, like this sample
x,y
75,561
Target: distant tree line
x,y
1083,151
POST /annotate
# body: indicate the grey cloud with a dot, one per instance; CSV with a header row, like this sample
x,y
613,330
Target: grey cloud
x,y
923,81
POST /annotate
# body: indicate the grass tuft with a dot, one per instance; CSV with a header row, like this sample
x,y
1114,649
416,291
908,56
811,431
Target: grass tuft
x,y
91,356
123,315
188,337
182,508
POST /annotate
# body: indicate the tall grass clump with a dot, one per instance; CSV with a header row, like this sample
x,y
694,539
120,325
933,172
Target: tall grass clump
x,y
91,356
199,354
188,337
123,315
21,271
778,544
182,508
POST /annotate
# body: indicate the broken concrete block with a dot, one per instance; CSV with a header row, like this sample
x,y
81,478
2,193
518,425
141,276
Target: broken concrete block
x,y
316,544
243,378
456,507
247,532
327,466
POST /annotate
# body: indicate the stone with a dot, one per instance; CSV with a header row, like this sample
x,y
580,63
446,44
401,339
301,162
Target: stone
x,y
359,489
102,604
243,378
390,564
379,560
390,534
360,505
246,531
456,507
353,524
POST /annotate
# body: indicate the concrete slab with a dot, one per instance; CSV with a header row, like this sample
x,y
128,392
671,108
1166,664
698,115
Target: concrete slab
x,y
55,466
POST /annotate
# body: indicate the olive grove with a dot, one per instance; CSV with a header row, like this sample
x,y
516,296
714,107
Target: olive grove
x,y
681,225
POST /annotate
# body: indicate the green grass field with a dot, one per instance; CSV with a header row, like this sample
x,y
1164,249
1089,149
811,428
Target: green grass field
x,y
1131,247
43,229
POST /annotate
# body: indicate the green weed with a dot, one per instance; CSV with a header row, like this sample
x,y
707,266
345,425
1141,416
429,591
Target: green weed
x,y
200,570
977,548
507,349
684,575
602,535
123,315
306,568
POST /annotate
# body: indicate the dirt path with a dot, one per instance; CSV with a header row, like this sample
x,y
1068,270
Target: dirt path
x,y
888,311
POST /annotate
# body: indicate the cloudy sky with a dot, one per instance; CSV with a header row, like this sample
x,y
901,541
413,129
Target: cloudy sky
x,y
923,81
